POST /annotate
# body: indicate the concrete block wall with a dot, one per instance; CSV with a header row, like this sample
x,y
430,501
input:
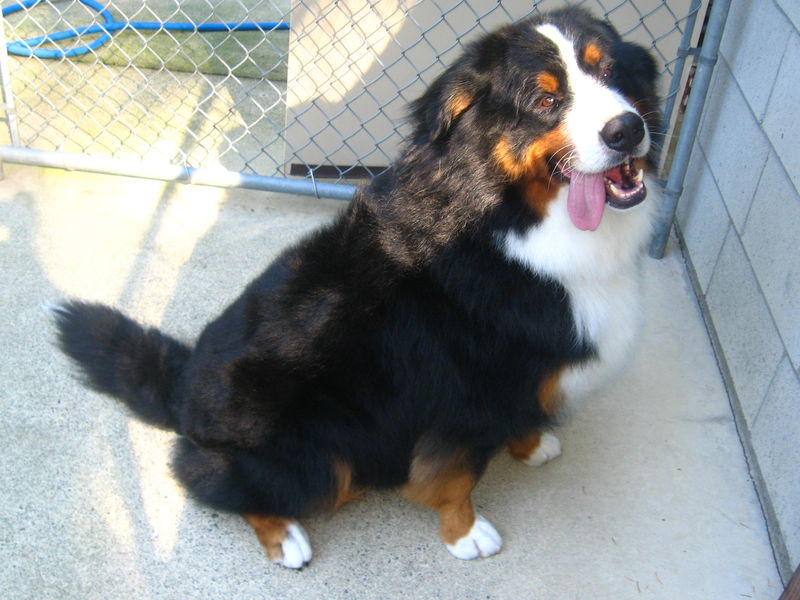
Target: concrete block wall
x,y
739,221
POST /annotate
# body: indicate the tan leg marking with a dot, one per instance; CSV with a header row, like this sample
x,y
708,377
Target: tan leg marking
x,y
444,486
271,532
522,449
344,485
536,449
550,399
284,540
550,395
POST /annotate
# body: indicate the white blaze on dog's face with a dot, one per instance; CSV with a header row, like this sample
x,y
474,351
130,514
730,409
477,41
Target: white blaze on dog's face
x,y
593,106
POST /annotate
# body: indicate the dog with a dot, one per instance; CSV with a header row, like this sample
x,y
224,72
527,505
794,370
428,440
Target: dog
x,y
444,315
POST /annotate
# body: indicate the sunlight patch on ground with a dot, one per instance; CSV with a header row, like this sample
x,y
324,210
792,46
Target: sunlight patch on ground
x,y
84,237
162,497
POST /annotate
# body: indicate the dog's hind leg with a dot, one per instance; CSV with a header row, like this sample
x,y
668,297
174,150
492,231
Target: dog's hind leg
x,y
218,478
445,486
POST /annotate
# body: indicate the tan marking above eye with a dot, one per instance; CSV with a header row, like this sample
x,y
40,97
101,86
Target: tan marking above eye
x,y
547,82
592,55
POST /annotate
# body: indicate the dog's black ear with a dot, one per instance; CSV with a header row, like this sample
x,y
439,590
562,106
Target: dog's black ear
x,y
435,112
635,70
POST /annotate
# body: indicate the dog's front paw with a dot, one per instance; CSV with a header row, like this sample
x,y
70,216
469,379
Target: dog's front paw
x,y
481,541
549,448
295,549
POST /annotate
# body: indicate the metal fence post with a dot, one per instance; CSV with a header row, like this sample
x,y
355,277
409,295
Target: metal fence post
x,y
683,52
8,95
694,110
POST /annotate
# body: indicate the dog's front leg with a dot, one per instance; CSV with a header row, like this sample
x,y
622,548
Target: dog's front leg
x,y
445,486
536,449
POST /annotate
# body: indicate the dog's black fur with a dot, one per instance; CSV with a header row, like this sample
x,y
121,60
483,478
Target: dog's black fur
x,y
399,328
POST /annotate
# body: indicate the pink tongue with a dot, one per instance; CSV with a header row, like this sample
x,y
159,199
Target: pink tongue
x,y
586,200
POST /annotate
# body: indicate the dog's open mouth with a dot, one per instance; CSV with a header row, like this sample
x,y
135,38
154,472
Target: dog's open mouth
x,y
620,187
624,185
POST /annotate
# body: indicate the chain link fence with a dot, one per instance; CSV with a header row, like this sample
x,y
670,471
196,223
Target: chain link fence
x,y
279,88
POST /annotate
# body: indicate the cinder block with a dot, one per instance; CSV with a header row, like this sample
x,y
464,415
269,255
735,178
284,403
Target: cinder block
x,y
753,62
748,336
775,439
770,239
734,144
702,217
781,123
792,10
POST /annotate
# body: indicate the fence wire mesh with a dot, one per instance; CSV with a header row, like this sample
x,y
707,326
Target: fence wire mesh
x,y
325,97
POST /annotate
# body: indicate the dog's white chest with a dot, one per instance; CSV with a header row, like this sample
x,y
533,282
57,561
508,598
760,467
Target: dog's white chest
x,y
600,271
607,314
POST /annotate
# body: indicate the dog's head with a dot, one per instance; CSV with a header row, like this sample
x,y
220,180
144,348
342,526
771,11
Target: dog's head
x,y
554,99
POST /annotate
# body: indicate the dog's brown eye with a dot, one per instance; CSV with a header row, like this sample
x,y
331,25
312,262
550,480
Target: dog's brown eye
x,y
608,72
548,102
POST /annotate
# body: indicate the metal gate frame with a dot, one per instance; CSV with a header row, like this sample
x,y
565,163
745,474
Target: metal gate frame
x,y
704,59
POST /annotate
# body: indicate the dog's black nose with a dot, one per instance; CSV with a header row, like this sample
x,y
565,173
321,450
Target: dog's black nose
x,y
623,132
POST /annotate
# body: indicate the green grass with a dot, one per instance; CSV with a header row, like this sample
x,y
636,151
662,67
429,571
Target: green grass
x,y
245,54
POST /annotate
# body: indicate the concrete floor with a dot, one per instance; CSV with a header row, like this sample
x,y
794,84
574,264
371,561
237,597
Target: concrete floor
x,y
651,498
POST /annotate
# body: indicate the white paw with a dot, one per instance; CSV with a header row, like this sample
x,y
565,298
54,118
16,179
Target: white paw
x,y
481,541
549,448
296,549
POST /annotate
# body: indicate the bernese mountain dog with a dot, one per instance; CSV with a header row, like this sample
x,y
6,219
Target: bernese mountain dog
x,y
489,273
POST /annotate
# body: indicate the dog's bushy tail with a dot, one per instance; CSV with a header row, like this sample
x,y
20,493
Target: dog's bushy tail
x,y
140,366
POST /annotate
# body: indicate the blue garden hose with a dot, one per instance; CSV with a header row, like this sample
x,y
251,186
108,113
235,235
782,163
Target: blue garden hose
x,y
31,46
